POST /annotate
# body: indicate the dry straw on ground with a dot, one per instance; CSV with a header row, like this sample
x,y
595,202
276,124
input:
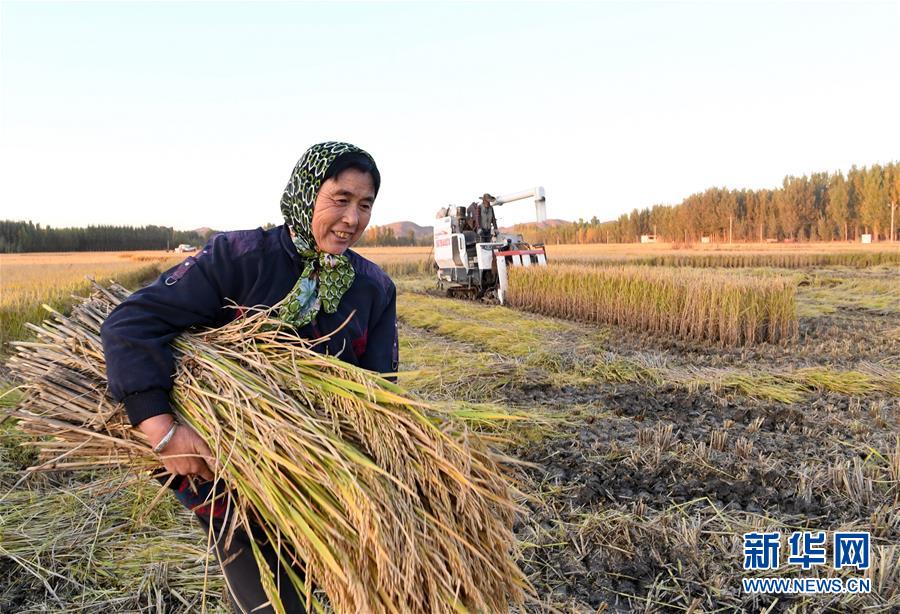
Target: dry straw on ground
x,y
387,506
687,304
91,547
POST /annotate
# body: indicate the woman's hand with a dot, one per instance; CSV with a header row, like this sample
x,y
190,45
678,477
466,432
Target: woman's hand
x,y
186,453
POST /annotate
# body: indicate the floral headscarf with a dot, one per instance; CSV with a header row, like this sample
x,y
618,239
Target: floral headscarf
x,y
325,277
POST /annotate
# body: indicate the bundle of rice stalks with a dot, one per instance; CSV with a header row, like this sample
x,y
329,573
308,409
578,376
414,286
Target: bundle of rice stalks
x,y
387,506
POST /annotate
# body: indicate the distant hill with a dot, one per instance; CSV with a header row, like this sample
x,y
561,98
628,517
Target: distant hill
x,y
401,229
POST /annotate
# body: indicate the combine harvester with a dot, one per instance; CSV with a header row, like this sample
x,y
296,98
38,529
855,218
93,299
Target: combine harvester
x,y
473,269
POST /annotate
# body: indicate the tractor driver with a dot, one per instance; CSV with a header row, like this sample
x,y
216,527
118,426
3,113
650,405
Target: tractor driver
x,y
472,217
487,221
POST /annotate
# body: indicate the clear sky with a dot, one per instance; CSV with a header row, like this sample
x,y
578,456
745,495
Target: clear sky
x,y
193,114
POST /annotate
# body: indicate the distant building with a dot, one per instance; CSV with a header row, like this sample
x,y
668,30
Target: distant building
x,y
648,238
704,239
866,238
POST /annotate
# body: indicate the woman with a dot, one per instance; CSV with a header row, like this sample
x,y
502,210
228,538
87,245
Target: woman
x,y
326,206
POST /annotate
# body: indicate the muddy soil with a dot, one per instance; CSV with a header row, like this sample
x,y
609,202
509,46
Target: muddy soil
x,y
630,448
593,460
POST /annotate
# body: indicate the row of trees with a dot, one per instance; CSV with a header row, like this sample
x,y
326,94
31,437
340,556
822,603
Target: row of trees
x,y
29,237
822,206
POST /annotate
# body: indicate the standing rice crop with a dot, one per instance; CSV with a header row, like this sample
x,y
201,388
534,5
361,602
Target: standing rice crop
x,y
743,260
386,505
26,288
404,268
693,305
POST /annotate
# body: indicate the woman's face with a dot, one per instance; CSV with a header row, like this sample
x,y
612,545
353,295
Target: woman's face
x,y
342,210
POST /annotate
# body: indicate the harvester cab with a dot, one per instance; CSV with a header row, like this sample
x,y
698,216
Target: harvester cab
x,y
473,258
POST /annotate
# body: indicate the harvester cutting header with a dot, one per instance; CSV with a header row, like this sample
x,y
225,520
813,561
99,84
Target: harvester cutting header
x,y
471,253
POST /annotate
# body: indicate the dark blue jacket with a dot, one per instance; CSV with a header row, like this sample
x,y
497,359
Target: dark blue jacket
x,y
252,268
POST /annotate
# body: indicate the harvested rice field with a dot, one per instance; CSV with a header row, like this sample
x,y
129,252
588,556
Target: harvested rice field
x,y
646,456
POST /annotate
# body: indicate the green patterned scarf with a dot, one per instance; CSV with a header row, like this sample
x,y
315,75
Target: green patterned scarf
x,y
325,277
